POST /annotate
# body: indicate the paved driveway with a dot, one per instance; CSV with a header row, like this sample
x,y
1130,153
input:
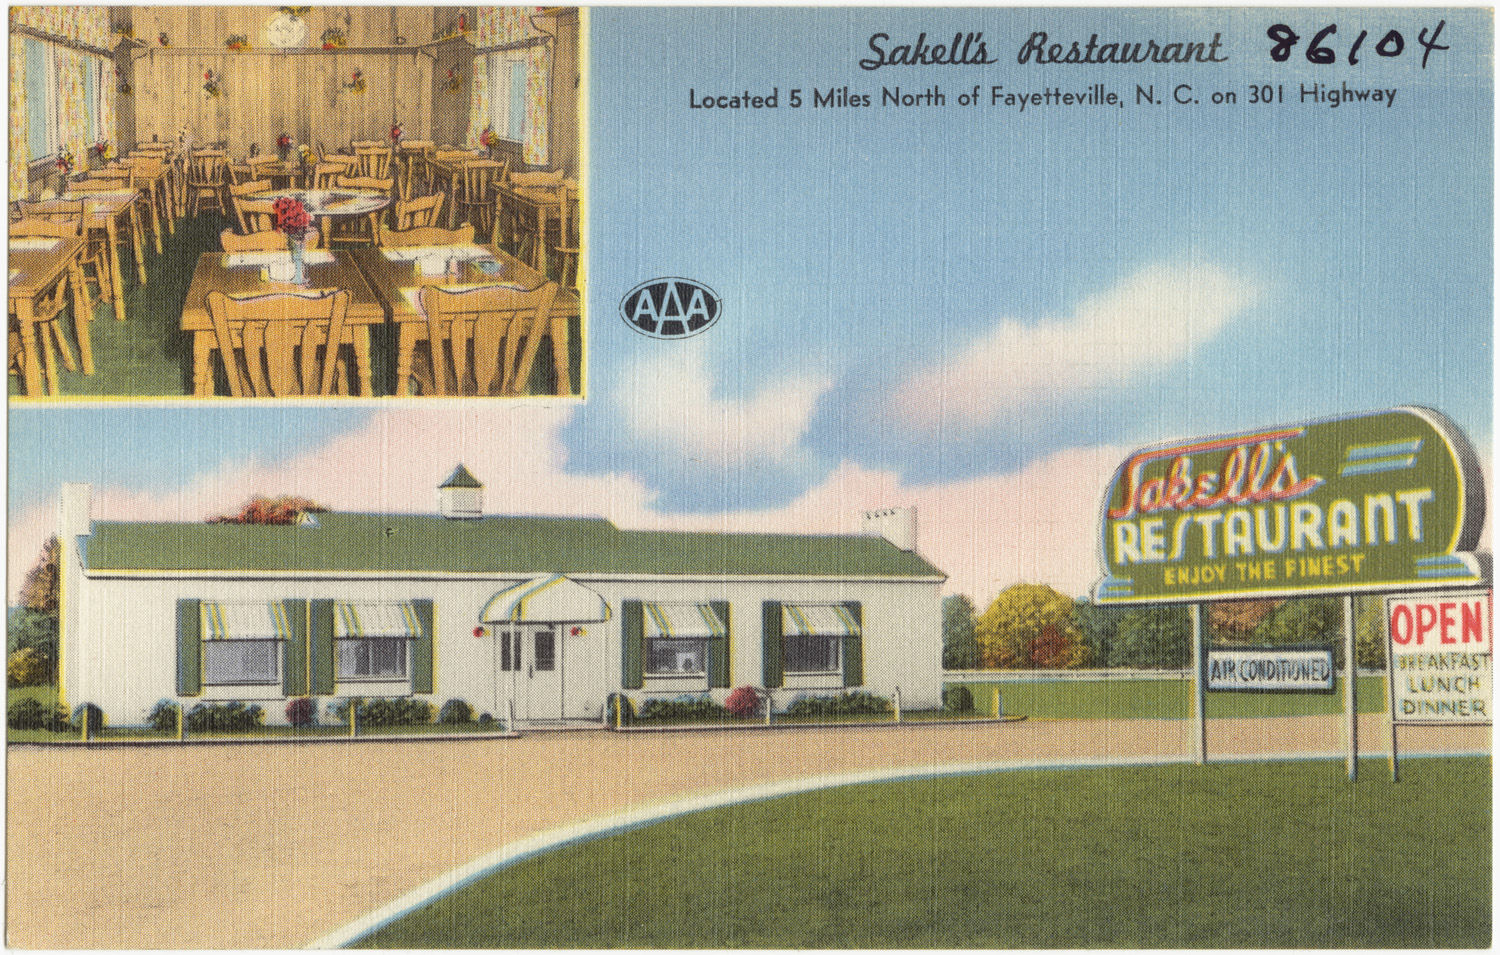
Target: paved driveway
x,y
273,846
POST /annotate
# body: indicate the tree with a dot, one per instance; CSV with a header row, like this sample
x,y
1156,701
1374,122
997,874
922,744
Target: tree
x,y
959,652
1098,625
1030,626
1306,620
271,510
1158,637
1236,620
39,589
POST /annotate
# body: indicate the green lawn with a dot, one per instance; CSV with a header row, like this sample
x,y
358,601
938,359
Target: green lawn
x,y
1162,699
1223,856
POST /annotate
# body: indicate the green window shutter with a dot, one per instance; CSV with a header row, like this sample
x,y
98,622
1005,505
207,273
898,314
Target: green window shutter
x,y
189,647
770,643
854,657
294,660
422,648
320,642
718,648
632,644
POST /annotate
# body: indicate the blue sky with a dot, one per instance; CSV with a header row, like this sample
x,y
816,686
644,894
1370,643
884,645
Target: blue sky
x,y
967,308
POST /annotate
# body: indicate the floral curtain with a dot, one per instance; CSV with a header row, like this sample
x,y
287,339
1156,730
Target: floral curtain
x,y
18,154
493,27
72,109
84,24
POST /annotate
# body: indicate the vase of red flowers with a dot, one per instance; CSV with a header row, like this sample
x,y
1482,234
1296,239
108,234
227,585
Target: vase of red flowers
x,y
292,220
283,146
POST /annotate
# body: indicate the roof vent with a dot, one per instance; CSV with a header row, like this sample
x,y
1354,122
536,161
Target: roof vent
x,y
461,497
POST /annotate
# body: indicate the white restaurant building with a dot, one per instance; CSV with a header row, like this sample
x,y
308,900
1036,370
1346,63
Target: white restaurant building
x,y
542,616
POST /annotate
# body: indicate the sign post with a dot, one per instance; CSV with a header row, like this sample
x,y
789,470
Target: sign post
x,y
1439,662
1381,502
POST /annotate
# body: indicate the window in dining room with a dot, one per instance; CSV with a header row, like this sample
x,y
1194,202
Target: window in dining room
x,y
506,75
63,86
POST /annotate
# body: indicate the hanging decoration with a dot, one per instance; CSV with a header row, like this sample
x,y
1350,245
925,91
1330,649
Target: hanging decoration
x,y
163,39
125,88
454,80
356,82
125,32
333,39
211,87
294,11
396,133
237,41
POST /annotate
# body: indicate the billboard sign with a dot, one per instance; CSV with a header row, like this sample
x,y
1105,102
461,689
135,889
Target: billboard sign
x,y
1389,499
1440,657
1271,669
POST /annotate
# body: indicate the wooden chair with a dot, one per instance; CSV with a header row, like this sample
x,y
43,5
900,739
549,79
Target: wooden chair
x,y
94,260
412,155
240,193
474,335
205,179
157,187
143,213
288,343
372,159
256,215
432,235
326,174
418,213
568,245
48,306
474,200
268,240
372,183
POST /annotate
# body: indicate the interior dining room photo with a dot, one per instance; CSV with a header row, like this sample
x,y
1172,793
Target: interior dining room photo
x,y
282,202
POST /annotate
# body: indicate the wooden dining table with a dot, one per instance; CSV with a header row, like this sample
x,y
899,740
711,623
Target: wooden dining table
x,y
538,204
110,209
240,275
395,276
34,266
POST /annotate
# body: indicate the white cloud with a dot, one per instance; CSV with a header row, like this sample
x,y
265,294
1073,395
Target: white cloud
x,y
668,401
1149,322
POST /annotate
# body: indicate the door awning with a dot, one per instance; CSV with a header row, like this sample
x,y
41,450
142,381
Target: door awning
x,y
550,599
245,621
683,620
818,619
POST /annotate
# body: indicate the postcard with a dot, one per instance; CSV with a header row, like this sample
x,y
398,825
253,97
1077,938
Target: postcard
x,y
750,478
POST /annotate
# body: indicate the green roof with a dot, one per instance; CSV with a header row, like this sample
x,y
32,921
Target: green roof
x,y
407,543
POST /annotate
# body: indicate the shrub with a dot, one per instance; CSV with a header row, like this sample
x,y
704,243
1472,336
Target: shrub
x,y
455,712
627,709
384,712
486,720
301,712
855,703
682,708
744,702
164,717
90,716
231,717
958,699
31,714
27,667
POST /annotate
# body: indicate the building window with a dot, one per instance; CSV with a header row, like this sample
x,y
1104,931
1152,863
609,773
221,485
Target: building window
x,y
243,643
678,638
65,91
370,640
817,639
506,74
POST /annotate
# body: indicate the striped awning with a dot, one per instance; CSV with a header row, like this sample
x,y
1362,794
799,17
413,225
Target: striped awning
x,y
550,599
245,621
683,620
818,619
387,620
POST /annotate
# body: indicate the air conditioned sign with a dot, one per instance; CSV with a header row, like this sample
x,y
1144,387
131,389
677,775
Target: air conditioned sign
x,y
1272,669
1440,657
1381,500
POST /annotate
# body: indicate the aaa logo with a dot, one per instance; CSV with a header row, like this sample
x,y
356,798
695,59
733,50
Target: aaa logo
x,y
670,307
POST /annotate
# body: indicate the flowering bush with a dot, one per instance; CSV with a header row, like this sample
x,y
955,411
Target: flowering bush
x,y
301,711
292,217
853,703
743,702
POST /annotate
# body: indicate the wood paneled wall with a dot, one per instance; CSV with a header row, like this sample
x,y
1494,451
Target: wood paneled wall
x,y
307,95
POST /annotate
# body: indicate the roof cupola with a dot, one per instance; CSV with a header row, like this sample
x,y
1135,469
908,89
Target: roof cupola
x,y
461,497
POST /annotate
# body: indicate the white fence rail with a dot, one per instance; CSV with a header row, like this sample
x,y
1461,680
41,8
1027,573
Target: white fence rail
x,y
1077,676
